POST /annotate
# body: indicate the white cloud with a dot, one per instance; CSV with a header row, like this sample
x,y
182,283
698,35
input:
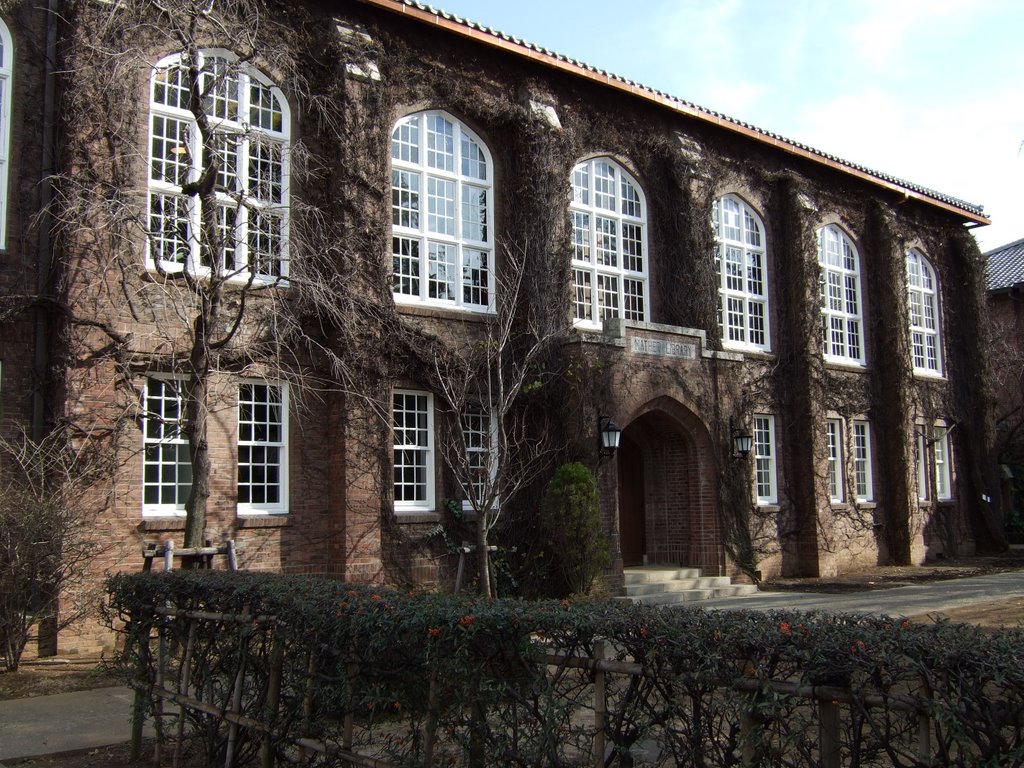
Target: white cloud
x,y
885,30
953,147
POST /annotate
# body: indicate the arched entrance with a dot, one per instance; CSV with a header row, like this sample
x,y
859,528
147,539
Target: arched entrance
x,y
667,493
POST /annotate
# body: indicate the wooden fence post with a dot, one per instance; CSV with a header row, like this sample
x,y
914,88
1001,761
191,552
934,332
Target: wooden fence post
x,y
184,682
307,699
828,730
235,707
273,699
600,704
169,555
924,725
430,721
138,703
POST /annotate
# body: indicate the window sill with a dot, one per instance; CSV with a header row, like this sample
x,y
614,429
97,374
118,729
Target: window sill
x,y
264,520
259,283
155,523
757,353
446,313
867,504
769,507
409,518
945,505
846,365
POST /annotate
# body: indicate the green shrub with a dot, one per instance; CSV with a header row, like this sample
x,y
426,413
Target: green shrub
x,y
442,679
571,519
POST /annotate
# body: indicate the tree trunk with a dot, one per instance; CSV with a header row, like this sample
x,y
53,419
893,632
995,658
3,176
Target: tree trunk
x,y
197,415
482,557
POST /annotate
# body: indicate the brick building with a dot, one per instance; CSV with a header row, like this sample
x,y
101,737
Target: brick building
x,y
713,279
1005,285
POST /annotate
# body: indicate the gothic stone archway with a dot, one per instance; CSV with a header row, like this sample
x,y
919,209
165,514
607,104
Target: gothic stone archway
x,y
668,511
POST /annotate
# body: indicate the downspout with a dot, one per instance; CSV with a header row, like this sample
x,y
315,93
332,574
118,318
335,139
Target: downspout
x,y
41,355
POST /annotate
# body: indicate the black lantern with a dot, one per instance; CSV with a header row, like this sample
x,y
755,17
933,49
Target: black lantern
x,y
608,434
742,443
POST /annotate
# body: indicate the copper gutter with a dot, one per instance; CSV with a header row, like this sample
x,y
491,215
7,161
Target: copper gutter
x,y
546,59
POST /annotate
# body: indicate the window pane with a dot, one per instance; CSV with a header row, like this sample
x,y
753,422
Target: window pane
x,y
742,304
261,449
454,179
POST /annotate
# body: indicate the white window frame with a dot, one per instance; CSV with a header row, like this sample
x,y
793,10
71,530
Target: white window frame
x,y
481,450
834,457
261,172
422,235
941,462
423,446
765,467
842,300
6,80
923,311
255,442
863,480
740,255
608,290
161,434
923,490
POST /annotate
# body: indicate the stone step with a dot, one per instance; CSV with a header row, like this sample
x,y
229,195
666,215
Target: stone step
x,y
669,585
640,575
677,585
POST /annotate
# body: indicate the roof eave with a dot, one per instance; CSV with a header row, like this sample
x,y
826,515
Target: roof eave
x,y
517,48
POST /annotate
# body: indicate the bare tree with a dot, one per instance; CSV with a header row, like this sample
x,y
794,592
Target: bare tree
x,y
496,446
236,261
45,539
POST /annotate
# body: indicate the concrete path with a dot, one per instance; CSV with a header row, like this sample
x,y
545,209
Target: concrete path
x,y
90,719
44,725
914,600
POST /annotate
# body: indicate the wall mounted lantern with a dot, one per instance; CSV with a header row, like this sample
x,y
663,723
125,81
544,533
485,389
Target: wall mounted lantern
x,y
742,442
608,434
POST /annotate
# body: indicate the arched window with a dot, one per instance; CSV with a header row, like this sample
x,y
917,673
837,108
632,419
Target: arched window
x,y
923,303
251,121
842,319
743,286
609,260
6,70
442,235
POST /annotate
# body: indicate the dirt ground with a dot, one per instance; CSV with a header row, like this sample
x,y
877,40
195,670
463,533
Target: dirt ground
x,y
46,677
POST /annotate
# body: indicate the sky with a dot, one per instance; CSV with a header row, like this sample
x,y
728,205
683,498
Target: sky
x,y
930,91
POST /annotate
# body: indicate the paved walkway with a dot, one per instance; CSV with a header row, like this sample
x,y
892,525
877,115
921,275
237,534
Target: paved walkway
x,y
44,725
915,600
89,719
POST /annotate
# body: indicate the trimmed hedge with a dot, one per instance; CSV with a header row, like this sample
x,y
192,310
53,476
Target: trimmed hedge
x,y
710,688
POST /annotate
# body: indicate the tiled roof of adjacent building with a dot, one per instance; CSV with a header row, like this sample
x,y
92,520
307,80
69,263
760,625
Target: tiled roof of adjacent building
x,y
487,35
1004,267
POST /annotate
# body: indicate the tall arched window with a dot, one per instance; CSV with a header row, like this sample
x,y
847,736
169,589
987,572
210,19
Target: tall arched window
x,y
743,285
6,70
923,303
251,121
842,319
609,261
442,234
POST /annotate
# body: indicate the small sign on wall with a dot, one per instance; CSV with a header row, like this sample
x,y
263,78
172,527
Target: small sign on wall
x,y
662,348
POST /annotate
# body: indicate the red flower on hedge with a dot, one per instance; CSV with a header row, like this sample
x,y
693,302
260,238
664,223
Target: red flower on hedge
x,y
375,597
467,621
434,631
785,628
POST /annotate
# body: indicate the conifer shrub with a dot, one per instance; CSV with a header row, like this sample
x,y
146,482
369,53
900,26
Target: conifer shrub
x,y
571,519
